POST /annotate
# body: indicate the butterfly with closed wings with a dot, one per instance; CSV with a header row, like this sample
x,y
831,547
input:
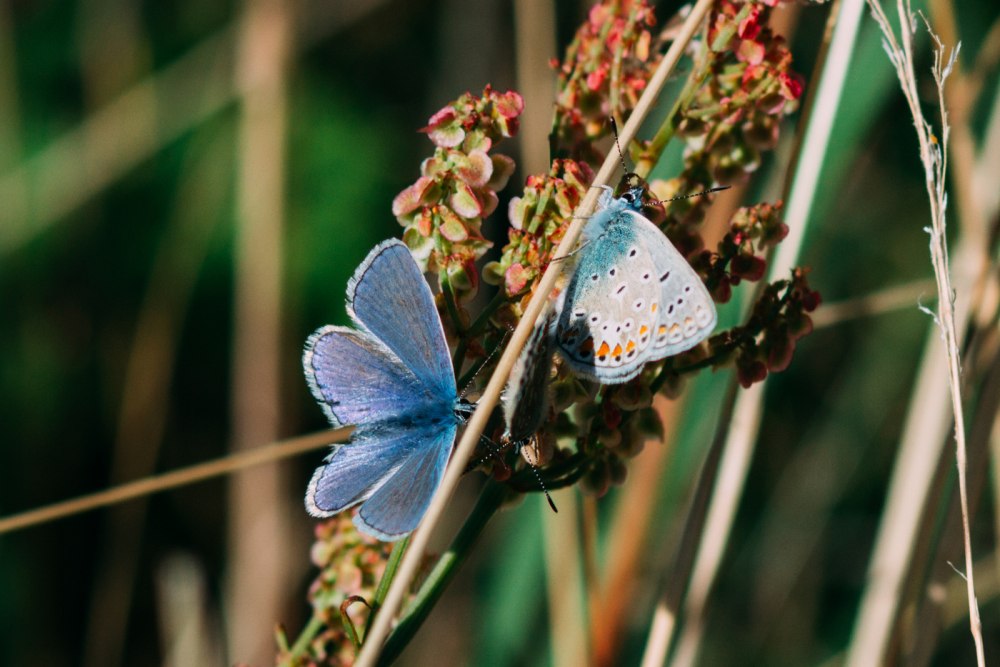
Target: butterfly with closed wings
x,y
393,378
632,298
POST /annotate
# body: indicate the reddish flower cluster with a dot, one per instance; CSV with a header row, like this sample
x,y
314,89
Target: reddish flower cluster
x,y
606,68
538,220
444,209
739,256
350,566
735,114
780,318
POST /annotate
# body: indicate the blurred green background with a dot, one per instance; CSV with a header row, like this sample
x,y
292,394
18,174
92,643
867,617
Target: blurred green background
x,y
137,146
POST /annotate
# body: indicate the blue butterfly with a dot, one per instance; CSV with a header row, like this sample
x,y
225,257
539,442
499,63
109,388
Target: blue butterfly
x,y
393,378
632,298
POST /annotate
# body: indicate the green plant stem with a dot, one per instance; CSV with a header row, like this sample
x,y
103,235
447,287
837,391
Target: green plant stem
x,y
447,565
302,643
651,155
398,549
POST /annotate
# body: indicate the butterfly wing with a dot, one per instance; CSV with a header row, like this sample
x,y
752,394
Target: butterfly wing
x,y
356,379
526,397
389,297
396,506
609,309
352,472
687,313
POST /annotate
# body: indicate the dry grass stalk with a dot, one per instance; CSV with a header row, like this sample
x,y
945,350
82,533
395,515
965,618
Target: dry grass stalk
x,y
933,156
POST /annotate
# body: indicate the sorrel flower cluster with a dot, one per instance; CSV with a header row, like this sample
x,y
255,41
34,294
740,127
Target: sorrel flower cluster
x,y
442,212
748,86
538,220
605,70
350,567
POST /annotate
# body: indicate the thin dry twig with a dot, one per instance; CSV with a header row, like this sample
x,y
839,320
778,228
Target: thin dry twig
x,y
225,465
889,299
934,157
463,451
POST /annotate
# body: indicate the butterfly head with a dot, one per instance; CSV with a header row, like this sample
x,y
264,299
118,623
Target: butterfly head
x,y
464,409
633,187
633,198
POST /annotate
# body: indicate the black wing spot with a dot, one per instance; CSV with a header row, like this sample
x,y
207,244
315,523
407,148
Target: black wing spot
x,y
612,272
664,276
633,252
594,277
670,310
621,289
687,289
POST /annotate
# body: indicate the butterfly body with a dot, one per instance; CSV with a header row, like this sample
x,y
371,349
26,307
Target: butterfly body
x,y
392,377
632,298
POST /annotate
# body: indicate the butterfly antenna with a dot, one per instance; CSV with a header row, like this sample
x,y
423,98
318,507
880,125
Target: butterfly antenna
x,y
694,194
486,360
495,451
614,131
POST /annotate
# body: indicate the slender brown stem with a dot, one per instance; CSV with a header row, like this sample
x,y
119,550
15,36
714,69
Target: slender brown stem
x,y
277,451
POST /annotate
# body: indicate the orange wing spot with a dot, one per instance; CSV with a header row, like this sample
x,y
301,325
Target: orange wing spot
x,y
643,329
652,308
662,330
587,345
603,350
617,351
674,328
630,346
